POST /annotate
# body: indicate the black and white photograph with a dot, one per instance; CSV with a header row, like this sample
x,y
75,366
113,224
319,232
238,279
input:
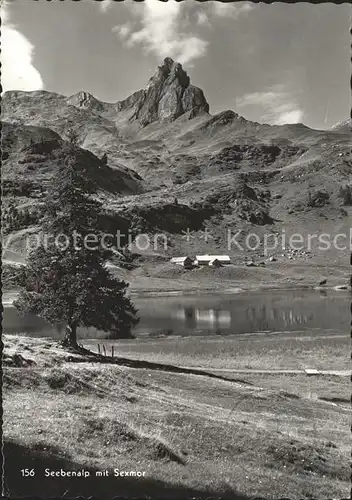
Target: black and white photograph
x,y
176,207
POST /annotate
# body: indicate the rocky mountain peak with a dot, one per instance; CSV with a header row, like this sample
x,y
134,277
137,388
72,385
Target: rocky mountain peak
x,y
84,99
167,96
169,72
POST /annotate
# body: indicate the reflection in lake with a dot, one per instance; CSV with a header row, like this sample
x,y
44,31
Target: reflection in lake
x,y
217,314
192,316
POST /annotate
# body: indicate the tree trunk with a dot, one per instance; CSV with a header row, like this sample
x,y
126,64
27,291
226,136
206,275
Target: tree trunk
x,y
70,338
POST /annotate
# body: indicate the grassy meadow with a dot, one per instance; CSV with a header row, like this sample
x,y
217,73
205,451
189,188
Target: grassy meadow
x,y
283,350
193,436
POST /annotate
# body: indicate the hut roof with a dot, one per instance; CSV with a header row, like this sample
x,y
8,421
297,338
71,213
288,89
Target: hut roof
x,y
209,258
180,259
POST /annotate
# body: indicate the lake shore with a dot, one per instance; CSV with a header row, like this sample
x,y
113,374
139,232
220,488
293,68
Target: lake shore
x,y
154,279
192,435
286,350
9,296
167,278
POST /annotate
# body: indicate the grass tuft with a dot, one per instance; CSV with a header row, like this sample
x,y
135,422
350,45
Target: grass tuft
x,y
203,434
121,435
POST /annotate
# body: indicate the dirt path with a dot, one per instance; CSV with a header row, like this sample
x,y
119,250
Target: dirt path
x,y
339,373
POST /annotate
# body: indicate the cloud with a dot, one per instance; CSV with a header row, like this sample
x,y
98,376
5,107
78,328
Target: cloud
x,y
122,30
166,29
162,32
18,72
289,116
231,10
202,19
278,106
105,5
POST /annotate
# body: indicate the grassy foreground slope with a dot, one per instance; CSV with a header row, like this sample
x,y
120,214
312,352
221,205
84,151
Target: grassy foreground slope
x,y
192,435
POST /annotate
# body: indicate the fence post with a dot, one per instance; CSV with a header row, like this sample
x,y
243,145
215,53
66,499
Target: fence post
x,y
112,351
104,350
98,348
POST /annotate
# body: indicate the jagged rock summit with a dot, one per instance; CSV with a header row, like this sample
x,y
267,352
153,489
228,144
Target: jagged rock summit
x,y
168,95
85,100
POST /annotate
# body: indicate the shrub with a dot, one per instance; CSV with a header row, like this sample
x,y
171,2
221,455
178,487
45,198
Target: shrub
x,y
13,219
346,194
318,198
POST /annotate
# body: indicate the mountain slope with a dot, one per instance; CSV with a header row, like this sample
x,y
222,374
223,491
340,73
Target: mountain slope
x,y
31,154
171,163
344,127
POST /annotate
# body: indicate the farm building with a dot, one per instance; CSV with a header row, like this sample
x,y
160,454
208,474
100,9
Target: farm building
x,y
213,260
186,262
215,263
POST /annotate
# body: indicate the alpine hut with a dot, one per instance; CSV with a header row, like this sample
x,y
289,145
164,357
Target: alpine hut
x,y
186,262
212,260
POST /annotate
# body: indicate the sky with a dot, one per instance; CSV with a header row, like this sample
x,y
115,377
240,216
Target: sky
x,y
278,63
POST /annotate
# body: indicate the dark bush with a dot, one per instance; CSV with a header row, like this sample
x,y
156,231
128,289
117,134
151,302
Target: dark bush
x,y
346,194
14,219
21,187
318,198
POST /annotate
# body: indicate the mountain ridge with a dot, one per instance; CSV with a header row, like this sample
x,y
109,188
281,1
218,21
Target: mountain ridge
x,y
166,153
168,96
